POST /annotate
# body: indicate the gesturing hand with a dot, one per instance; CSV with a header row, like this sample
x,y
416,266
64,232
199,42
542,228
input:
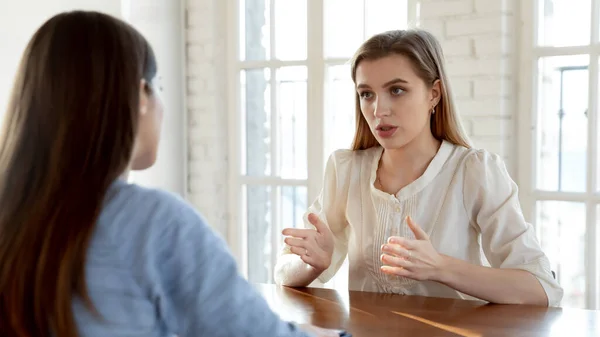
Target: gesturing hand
x,y
315,247
415,259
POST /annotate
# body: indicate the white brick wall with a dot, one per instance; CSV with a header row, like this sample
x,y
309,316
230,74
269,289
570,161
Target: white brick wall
x,y
207,110
477,37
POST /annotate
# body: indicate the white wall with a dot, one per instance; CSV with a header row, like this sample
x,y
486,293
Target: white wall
x,y
207,110
479,41
161,22
18,22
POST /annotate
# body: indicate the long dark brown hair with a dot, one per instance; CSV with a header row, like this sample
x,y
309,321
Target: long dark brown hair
x,y
69,132
425,53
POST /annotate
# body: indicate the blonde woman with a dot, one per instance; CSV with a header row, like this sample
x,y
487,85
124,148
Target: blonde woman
x,y
413,206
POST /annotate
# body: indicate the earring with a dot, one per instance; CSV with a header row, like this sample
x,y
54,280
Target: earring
x,y
433,110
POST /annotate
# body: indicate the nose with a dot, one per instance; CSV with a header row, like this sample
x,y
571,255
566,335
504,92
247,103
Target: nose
x,y
383,107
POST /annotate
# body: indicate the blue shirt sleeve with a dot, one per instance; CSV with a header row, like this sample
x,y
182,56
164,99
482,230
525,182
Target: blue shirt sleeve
x,y
200,291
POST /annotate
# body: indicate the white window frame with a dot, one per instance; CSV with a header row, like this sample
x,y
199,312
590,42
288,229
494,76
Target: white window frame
x,y
316,64
527,134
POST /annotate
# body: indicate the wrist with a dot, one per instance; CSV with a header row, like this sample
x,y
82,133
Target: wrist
x,y
446,270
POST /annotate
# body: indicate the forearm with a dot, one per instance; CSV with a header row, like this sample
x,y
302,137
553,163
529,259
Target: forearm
x,y
503,286
291,271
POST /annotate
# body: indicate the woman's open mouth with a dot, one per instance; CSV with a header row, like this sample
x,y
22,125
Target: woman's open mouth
x,y
386,130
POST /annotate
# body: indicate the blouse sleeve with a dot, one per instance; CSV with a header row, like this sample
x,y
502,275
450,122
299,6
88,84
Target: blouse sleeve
x,y
508,241
330,206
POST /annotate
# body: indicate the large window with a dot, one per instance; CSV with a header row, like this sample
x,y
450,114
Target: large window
x,y
292,105
558,170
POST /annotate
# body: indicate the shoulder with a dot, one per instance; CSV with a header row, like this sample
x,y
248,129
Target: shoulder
x,y
133,211
483,168
483,162
344,159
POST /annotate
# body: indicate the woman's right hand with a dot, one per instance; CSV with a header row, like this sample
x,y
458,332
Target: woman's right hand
x,y
319,332
314,246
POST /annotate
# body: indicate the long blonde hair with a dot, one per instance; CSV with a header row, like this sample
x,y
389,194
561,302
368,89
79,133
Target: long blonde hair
x,y
426,56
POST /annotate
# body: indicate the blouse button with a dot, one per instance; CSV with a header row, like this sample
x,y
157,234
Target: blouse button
x,y
398,208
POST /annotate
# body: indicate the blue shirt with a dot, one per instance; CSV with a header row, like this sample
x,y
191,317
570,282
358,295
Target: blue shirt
x,y
155,268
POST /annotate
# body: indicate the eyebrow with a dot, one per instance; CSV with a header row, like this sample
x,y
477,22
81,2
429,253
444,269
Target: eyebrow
x,y
386,84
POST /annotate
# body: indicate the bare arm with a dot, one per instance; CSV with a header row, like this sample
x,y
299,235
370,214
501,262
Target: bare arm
x,y
291,271
503,286
418,259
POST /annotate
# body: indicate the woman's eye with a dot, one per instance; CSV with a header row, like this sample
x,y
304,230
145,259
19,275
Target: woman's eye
x,y
365,95
397,91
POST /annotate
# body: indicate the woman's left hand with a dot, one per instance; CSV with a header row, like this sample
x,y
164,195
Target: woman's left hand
x,y
415,259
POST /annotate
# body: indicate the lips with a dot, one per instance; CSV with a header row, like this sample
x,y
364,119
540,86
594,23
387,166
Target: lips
x,y
386,130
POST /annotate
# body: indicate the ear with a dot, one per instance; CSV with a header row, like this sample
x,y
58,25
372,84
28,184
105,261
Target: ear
x,y
436,93
143,97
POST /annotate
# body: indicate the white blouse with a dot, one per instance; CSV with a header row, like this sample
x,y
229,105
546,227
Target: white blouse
x,y
465,201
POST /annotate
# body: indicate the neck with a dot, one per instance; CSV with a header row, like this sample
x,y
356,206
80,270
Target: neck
x,y
413,158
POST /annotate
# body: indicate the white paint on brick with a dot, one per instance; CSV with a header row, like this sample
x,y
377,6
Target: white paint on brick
x,y
483,107
462,88
483,79
461,46
434,26
490,87
490,126
492,45
207,127
491,144
462,67
474,25
495,6
439,9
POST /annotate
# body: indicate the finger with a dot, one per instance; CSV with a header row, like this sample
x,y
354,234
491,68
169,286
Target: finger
x,y
395,261
395,250
298,232
295,242
397,271
404,242
307,259
419,233
319,225
298,250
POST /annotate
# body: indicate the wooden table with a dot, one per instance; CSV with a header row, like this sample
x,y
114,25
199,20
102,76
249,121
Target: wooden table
x,y
373,314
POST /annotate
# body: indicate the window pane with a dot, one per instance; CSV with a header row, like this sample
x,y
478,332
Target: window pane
x,y
290,29
254,30
293,201
561,229
562,123
291,89
384,15
258,203
564,22
340,109
343,28
256,113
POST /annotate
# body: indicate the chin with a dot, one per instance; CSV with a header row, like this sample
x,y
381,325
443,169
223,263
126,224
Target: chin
x,y
392,143
144,162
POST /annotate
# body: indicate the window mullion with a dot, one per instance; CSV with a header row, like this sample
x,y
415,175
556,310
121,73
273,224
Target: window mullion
x,y
591,226
315,96
526,120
